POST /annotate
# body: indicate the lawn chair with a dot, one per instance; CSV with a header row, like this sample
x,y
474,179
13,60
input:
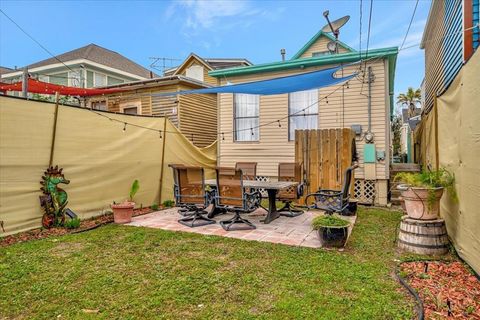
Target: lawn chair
x,y
290,172
249,169
190,195
232,196
333,200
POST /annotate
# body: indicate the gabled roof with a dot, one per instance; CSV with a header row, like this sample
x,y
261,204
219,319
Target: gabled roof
x,y
156,82
314,39
211,63
98,54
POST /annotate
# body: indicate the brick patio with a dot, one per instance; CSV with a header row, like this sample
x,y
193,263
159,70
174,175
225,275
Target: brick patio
x,y
295,231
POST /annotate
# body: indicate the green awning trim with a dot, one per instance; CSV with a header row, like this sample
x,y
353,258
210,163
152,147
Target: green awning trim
x,y
314,39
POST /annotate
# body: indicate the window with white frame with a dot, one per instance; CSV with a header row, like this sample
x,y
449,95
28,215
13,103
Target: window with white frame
x,y
195,72
246,117
302,111
75,78
100,80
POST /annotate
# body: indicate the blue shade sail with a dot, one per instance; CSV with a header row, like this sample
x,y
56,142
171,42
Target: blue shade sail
x,y
294,83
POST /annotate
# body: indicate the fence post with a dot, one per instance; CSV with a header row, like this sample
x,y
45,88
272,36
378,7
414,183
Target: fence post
x,y
163,160
54,131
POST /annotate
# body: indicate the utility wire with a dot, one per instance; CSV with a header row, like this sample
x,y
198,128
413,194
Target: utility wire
x,y
409,25
28,35
368,44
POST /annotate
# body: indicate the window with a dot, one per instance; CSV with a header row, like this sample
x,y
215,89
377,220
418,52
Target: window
x,y
100,80
131,107
195,72
113,81
299,118
246,117
89,79
75,78
59,78
320,53
99,105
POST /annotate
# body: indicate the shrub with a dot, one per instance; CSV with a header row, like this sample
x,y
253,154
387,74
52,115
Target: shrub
x,y
154,207
134,189
168,203
72,223
328,221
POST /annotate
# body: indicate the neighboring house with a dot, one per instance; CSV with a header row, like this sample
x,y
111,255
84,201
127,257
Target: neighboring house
x,y
85,67
194,115
448,135
446,46
197,68
409,123
4,70
272,144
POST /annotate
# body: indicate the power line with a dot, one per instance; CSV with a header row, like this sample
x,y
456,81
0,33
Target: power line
x,y
409,25
361,17
28,35
368,44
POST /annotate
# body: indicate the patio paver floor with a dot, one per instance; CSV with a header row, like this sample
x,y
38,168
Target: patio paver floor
x,y
296,231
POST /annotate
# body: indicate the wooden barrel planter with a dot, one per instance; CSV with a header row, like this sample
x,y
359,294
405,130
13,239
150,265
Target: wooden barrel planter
x,y
427,237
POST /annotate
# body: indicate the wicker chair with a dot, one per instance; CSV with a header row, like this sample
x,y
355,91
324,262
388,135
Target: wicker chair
x,y
332,200
232,196
290,172
190,195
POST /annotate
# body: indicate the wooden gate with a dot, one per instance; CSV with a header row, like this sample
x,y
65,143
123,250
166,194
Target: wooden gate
x,y
325,155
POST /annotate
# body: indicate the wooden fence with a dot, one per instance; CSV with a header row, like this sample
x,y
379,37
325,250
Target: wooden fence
x,y
325,155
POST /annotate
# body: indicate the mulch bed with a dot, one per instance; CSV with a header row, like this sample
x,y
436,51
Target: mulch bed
x,y
448,289
87,224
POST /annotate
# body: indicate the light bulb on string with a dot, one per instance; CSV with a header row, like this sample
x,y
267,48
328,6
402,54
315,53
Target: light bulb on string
x,y
326,100
223,136
124,126
160,132
251,129
279,124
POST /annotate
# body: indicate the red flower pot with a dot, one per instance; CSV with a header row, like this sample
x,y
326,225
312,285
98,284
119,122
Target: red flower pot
x,y
122,212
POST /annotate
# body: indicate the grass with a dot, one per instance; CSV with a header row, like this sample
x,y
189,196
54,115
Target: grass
x,y
128,272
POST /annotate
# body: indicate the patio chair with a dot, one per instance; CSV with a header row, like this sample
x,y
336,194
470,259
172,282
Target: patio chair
x,y
232,196
249,169
332,200
191,196
290,172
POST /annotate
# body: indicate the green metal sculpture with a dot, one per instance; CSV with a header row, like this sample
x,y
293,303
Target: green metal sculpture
x,y
54,199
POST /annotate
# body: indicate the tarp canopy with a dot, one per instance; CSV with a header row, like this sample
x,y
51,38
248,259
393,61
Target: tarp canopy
x,y
294,83
36,86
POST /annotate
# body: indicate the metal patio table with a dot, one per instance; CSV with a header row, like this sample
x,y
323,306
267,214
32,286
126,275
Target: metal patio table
x,y
272,188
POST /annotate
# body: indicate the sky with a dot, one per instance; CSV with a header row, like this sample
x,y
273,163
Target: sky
x,y
255,30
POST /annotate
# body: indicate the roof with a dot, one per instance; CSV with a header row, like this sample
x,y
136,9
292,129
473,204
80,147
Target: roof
x,y
98,54
314,39
159,81
406,116
389,53
211,63
4,70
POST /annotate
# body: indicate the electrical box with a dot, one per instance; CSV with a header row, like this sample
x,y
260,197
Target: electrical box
x,y
357,128
380,155
369,155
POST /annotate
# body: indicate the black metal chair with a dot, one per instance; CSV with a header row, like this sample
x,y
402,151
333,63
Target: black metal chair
x,y
290,172
332,200
191,196
232,196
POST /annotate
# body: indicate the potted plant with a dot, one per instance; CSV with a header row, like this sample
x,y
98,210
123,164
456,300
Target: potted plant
x,y
421,192
332,231
122,212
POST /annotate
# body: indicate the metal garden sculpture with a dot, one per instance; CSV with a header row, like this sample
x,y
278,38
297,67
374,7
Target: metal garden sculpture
x,y
54,199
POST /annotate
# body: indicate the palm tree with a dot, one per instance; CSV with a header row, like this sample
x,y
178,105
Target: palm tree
x,y
410,99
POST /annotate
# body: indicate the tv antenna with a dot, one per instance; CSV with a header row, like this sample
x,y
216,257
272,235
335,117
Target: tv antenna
x,y
334,27
162,63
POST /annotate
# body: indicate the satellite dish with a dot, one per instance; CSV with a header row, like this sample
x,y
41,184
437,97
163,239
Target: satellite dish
x,y
332,46
334,26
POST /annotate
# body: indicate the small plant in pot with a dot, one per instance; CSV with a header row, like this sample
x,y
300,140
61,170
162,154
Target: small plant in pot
x,y
332,231
122,212
422,192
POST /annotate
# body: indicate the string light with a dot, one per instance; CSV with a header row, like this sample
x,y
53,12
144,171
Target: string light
x,y
251,129
326,99
223,136
279,124
160,131
124,127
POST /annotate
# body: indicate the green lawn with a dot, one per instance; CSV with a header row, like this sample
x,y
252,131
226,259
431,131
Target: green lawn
x,y
119,272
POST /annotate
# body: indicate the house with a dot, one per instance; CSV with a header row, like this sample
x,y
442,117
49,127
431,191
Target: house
x,y
86,67
448,134
239,115
197,68
409,122
195,115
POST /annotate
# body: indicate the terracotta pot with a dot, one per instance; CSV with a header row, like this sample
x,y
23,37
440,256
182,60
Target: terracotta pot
x,y
122,212
417,203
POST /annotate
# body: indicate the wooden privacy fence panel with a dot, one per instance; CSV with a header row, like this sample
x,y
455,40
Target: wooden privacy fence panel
x,y
325,155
